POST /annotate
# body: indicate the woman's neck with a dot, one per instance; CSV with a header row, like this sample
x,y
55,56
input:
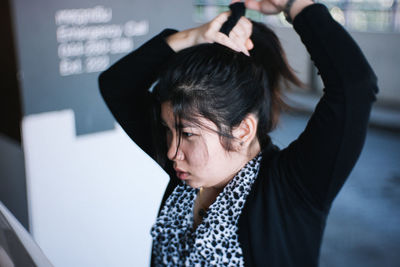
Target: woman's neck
x,y
240,159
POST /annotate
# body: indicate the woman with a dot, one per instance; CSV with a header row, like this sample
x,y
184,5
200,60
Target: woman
x,y
235,199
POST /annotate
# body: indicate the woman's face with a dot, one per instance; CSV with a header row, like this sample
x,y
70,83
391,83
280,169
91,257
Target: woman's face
x,y
200,160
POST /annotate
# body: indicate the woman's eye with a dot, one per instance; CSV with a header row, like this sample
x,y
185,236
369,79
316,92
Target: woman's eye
x,y
186,134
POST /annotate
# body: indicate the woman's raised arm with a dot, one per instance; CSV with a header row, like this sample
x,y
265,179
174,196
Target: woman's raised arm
x,y
319,161
125,88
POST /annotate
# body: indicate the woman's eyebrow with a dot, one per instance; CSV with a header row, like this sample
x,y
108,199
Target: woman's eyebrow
x,y
180,125
183,125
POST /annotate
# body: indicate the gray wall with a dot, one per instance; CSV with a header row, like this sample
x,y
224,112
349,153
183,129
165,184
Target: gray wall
x,y
381,50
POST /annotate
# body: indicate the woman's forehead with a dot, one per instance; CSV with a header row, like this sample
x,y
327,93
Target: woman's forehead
x,y
197,121
167,113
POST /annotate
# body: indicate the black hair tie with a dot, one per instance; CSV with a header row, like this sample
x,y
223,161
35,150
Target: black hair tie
x,y
237,11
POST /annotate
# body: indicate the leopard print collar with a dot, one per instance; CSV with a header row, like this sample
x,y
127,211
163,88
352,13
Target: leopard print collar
x,y
215,240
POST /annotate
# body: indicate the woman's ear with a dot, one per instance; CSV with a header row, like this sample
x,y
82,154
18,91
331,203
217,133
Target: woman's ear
x,y
246,132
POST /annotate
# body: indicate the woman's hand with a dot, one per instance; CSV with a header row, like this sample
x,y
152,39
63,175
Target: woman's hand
x,y
276,6
267,6
238,39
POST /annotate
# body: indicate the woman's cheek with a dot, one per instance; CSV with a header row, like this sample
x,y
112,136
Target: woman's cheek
x,y
197,152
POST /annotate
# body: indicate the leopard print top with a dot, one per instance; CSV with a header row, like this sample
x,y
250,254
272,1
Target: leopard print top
x,y
215,240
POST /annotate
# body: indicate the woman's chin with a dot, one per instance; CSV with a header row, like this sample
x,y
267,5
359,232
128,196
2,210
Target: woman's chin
x,y
193,184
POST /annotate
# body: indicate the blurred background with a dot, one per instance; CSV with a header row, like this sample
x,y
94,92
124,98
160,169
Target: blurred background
x,y
88,195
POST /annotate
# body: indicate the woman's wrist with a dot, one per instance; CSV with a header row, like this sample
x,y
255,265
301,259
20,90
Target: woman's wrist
x,y
297,6
183,39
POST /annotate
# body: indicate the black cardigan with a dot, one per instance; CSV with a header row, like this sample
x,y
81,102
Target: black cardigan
x,y
284,216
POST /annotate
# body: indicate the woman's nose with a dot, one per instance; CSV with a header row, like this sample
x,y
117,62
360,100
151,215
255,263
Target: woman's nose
x,y
174,152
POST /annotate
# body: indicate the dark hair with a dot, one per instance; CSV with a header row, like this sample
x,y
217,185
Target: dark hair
x,y
224,86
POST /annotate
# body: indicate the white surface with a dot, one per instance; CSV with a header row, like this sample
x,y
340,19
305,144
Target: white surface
x,y
92,199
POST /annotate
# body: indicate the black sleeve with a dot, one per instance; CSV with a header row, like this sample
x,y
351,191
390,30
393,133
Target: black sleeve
x,y
125,88
318,162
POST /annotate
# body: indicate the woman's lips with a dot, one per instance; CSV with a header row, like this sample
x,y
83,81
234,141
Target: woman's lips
x,y
182,174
